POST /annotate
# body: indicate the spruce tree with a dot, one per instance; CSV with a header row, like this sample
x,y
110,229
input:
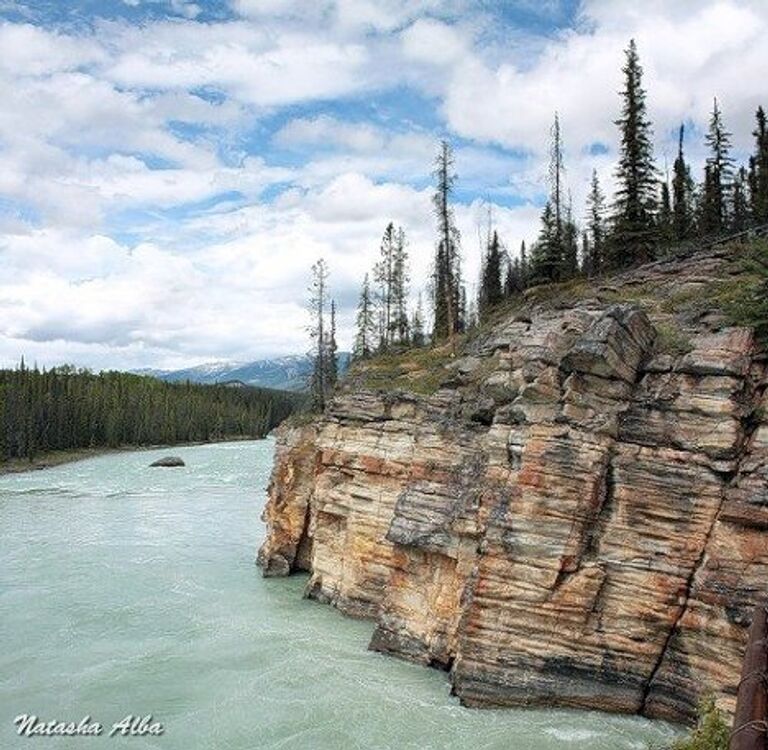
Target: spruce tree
x,y
759,171
553,257
524,267
318,302
417,325
556,178
400,278
384,276
331,358
596,226
511,277
491,292
447,286
682,195
634,236
740,218
546,256
665,221
715,213
570,244
366,324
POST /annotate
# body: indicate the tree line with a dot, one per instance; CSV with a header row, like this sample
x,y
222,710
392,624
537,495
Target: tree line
x,y
65,409
648,215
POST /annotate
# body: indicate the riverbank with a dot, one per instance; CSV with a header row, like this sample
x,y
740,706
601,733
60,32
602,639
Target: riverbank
x,y
58,458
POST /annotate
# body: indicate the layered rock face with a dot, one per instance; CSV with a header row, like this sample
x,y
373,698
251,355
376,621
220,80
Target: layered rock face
x,y
573,519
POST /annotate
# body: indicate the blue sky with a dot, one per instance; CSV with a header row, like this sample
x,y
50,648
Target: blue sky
x,y
169,169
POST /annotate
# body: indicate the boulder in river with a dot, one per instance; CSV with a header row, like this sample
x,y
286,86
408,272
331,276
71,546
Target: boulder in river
x,y
169,461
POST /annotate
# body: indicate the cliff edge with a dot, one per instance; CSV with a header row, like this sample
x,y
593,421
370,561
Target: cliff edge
x,y
573,512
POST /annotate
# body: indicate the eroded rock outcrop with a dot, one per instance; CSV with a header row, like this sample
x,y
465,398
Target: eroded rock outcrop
x,y
577,518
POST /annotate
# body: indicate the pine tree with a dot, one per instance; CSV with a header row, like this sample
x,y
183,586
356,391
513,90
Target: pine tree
x,y
596,225
718,175
366,324
318,302
491,292
682,195
447,284
634,234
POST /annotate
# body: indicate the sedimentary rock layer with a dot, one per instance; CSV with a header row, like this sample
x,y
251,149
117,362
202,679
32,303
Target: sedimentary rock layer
x,y
575,519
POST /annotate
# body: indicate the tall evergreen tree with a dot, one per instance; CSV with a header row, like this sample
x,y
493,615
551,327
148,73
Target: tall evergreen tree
x,y
400,279
596,226
556,178
384,276
512,283
331,358
366,323
715,213
417,325
634,237
318,303
682,194
666,221
552,255
546,256
759,171
570,243
491,292
740,219
447,284
524,267
586,255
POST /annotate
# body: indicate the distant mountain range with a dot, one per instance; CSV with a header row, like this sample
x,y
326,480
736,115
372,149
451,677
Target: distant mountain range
x,y
290,373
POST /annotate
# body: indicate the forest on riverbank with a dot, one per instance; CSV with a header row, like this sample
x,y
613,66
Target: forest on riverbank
x,y
64,409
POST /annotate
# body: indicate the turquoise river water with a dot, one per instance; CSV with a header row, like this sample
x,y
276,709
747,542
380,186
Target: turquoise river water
x,y
126,591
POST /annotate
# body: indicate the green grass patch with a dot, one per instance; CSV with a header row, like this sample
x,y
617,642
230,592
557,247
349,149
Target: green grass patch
x,y
744,299
670,339
420,371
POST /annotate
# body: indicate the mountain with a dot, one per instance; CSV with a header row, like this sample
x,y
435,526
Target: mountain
x,y
290,373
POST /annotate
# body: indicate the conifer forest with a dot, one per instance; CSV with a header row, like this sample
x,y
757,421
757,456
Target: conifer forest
x,y
67,409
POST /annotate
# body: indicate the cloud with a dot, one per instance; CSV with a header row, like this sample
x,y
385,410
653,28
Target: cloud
x,y
691,52
165,186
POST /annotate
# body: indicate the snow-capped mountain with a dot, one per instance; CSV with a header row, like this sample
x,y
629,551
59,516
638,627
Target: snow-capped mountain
x,y
288,373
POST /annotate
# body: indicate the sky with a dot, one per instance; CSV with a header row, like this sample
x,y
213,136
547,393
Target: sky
x,y
170,169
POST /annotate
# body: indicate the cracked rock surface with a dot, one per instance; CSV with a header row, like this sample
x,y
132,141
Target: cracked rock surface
x,y
586,526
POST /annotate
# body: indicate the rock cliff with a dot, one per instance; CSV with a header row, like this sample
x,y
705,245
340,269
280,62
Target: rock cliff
x,y
576,516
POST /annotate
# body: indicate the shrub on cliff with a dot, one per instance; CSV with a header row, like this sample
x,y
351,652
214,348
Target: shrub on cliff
x,y
712,730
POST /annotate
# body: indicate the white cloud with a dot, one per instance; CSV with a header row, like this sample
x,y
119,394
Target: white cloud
x,y
156,122
690,54
434,43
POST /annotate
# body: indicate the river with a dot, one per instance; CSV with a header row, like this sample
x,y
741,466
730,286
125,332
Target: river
x,y
126,591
